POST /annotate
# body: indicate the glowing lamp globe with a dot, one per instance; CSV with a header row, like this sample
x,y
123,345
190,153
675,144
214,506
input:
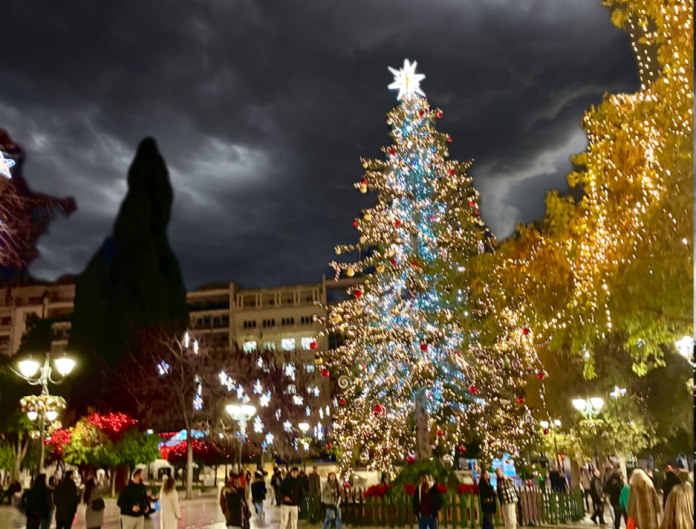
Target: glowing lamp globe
x,y
579,404
557,423
51,415
248,410
233,410
544,424
64,365
597,403
32,415
304,427
28,367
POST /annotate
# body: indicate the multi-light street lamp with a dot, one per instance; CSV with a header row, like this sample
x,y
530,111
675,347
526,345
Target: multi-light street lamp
x,y
241,413
41,407
589,407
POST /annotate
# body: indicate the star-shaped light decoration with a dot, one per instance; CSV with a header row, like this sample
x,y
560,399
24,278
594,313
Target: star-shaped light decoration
x,y
290,371
240,392
269,438
258,424
265,399
407,81
618,392
5,164
278,412
316,391
298,400
258,388
288,426
308,411
319,432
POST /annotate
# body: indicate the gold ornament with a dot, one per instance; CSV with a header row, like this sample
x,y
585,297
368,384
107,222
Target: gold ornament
x,y
350,272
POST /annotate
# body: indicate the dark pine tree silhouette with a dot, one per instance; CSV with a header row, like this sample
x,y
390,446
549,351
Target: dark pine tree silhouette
x,y
133,281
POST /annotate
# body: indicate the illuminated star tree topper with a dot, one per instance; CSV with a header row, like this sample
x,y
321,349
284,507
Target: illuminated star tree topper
x,y
407,81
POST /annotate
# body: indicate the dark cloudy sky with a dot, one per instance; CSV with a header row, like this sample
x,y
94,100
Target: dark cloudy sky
x,y
263,108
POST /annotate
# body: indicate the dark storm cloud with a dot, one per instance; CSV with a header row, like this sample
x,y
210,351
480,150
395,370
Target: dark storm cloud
x,y
262,110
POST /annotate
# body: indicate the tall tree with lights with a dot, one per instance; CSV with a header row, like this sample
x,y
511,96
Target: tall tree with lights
x,y
412,340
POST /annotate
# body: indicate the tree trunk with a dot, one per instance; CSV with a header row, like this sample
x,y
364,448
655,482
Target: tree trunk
x,y
113,482
574,474
623,461
189,464
422,432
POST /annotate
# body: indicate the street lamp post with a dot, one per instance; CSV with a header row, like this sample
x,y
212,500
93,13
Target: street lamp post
x,y
241,413
304,427
28,369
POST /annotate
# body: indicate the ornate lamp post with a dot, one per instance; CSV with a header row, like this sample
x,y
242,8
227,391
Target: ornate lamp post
x,y
44,407
241,413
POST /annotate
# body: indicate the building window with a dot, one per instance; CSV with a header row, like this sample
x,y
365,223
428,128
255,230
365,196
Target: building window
x,y
288,321
226,321
307,343
6,321
249,347
287,344
269,346
268,323
250,324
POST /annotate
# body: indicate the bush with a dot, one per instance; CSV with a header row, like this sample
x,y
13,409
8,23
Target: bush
x,y
411,473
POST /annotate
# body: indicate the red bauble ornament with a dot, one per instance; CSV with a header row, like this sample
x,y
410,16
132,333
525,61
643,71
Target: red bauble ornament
x,y
342,401
325,373
473,390
414,265
546,431
472,203
355,223
358,293
449,139
451,172
462,449
529,482
525,331
519,400
410,460
313,345
364,366
477,212
440,433
439,114
363,182
395,262
431,218
377,408
424,347
346,485
540,375
421,113
392,152
397,223
329,446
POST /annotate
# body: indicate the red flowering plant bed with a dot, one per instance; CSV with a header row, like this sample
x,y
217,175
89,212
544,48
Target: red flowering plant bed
x,y
377,491
442,489
409,488
468,489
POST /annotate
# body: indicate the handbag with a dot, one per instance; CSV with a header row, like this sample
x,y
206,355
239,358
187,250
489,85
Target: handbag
x,y
98,505
630,523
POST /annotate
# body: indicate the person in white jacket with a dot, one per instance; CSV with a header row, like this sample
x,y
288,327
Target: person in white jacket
x,y
169,505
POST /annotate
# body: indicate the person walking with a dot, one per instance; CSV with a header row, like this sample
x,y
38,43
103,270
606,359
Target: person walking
x,y
679,509
233,501
258,495
276,482
331,500
507,496
170,512
427,503
314,482
613,488
487,497
291,492
94,502
597,494
40,505
671,480
66,499
133,503
643,504
585,480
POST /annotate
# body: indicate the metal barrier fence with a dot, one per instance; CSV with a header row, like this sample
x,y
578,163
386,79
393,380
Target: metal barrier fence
x,y
535,507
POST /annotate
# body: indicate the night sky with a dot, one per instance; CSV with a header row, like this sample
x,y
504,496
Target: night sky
x,y
262,110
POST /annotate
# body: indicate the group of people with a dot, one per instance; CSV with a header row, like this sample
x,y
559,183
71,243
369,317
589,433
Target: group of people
x,y
637,501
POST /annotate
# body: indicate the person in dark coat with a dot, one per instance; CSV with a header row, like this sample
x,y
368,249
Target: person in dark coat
x,y
276,482
671,480
291,491
234,503
40,505
133,503
597,494
487,497
427,503
613,488
558,483
66,498
258,495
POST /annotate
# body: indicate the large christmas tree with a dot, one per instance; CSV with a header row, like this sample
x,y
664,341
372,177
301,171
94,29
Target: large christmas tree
x,y
408,334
